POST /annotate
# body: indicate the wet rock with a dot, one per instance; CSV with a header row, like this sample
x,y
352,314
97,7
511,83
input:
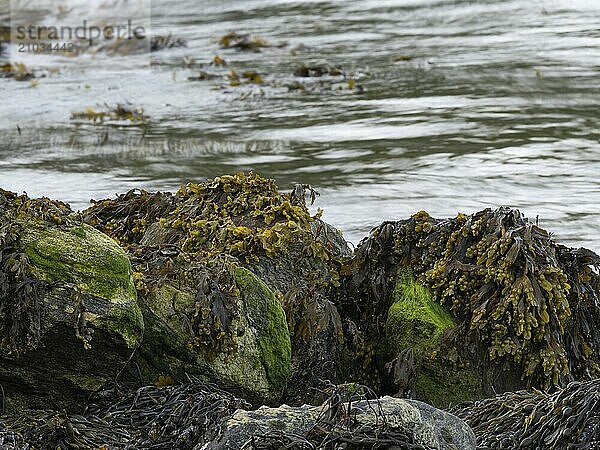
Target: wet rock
x,y
69,319
409,422
189,250
255,362
524,307
413,349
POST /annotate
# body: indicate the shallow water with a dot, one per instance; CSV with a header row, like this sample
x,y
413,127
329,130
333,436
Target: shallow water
x,y
462,105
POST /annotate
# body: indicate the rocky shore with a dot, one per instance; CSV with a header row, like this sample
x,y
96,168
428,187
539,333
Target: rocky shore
x,y
226,316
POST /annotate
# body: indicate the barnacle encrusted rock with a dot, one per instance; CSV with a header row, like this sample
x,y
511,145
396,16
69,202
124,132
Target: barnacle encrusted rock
x,y
69,318
194,241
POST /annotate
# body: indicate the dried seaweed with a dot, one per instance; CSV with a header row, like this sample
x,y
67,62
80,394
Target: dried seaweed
x,y
149,418
568,418
519,297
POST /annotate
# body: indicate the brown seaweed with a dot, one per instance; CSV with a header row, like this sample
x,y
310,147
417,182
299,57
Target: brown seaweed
x,y
121,417
568,418
519,297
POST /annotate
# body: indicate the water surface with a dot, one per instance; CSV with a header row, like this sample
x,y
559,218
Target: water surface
x,y
456,106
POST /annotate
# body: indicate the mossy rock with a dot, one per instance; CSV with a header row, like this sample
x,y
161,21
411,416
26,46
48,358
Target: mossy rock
x,y
246,218
90,322
416,321
259,367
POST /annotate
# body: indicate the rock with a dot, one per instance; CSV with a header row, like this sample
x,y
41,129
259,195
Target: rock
x,y
412,349
523,306
420,423
232,221
78,323
261,363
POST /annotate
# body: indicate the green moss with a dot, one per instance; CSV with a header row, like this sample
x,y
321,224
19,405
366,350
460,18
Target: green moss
x,y
128,322
415,320
95,264
443,384
273,339
82,256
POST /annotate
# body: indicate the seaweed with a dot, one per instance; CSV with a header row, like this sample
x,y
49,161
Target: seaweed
x,y
20,291
245,42
198,237
568,418
519,297
162,42
318,70
122,417
16,71
119,112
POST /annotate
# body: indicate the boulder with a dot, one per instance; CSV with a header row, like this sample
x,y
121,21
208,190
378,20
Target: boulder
x,y
412,351
498,306
255,363
383,423
69,318
181,244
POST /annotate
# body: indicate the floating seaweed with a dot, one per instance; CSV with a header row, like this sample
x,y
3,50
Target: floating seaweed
x,y
318,70
245,42
16,71
161,42
568,418
520,298
149,418
218,61
203,76
120,112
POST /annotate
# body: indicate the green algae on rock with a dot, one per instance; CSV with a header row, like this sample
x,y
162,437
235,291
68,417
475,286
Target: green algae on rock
x,y
253,360
414,348
269,319
80,323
